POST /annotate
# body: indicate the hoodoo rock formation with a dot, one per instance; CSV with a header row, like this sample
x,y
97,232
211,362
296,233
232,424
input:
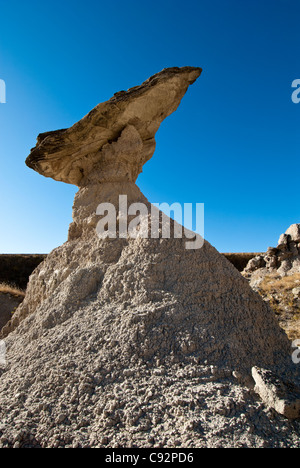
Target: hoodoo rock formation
x,y
137,342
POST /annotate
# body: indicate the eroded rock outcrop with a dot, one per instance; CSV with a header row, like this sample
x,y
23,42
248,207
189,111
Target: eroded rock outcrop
x,y
134,342
282,396
281,260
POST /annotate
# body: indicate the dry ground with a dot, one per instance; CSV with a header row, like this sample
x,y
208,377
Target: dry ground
x,y
12,290
283,295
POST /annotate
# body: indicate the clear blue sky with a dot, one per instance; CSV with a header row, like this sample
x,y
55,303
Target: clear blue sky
x,y
233,144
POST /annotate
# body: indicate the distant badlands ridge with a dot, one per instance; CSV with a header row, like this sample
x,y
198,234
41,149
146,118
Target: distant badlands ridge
x,y
16,268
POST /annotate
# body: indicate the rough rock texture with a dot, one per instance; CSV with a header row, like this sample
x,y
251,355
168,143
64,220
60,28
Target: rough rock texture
x,y
136,342
282,260
173,301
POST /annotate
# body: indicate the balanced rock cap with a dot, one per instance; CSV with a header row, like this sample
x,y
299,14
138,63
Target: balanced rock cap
x,y
70,155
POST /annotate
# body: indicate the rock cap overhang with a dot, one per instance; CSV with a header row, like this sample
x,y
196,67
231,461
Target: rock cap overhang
x,y
69,155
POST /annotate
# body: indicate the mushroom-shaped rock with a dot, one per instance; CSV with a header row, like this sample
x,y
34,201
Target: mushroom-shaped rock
x,y
113,141
136,303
